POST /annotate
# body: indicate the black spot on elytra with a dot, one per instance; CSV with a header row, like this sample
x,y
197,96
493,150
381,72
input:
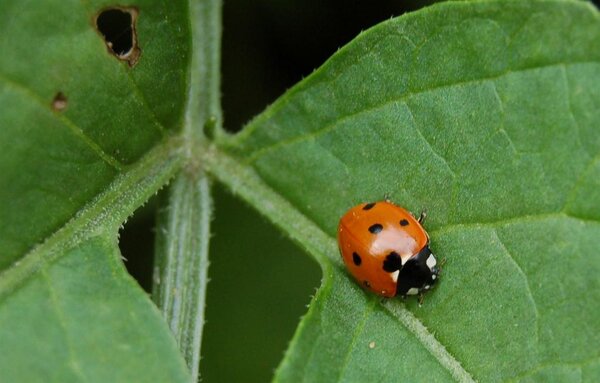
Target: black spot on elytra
x,y
356,259
376,228
392,262
367,284
369,206
403,222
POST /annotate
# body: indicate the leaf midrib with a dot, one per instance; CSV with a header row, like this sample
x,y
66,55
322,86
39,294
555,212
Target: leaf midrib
x,y
106,212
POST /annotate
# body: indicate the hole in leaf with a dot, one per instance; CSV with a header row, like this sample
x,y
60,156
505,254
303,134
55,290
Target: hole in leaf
x,y
117,26
59,102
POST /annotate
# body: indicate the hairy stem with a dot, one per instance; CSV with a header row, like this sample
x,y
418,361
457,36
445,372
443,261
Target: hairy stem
x,y
181,267
180,274
106,212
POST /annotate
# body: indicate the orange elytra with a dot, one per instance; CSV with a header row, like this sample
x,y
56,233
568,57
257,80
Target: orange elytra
x,y
386,249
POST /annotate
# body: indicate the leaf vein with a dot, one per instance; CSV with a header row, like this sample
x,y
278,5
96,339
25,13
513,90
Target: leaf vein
x,y
429,145
481,270
507,221
256,154
138,92
576,127
357,332
73,365
64,120
527,285
572,195
580,364
428,340
502,129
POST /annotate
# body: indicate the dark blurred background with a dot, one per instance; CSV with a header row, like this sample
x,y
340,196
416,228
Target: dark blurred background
x,y
270,45
260,281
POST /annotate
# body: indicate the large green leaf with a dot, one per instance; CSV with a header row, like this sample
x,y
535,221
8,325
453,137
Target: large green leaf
x,y
70,176
486,115
90,325
57,161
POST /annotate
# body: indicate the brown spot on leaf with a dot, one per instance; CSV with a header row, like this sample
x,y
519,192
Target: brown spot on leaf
x,y
59,102
117,26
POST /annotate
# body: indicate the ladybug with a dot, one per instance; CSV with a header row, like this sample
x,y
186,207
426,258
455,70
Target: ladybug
x,y
386,249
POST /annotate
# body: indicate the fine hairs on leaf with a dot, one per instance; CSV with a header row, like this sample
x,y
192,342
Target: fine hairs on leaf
x,y
483,113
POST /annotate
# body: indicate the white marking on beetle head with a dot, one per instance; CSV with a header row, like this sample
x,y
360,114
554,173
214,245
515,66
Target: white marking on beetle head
x,y
412,291
431,261
434,277
395,276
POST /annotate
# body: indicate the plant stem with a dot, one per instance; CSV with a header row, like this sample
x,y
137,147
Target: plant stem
x,y
182,263
204,98
182,244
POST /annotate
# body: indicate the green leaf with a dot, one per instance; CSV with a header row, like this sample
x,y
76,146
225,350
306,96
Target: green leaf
x,y
86,139
483,113
76,331
58,161
486,115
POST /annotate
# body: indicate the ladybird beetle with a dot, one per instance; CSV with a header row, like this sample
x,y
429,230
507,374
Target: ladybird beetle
x,y
386,249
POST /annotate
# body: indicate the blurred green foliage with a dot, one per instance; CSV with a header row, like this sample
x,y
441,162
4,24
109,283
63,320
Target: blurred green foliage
x,y
260,284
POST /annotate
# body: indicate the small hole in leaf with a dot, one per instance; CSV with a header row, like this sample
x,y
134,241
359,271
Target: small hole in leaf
x,y
118,28
59,102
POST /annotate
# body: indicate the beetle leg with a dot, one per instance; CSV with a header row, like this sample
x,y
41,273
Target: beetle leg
x,y
442,262
421,299
422,216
